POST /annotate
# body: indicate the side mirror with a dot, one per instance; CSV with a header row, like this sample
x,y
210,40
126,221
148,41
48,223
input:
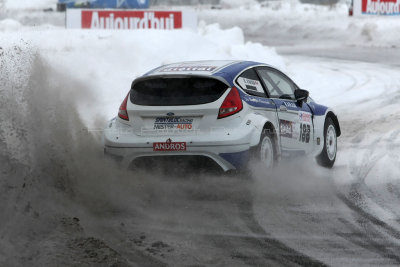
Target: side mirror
x,y
301,95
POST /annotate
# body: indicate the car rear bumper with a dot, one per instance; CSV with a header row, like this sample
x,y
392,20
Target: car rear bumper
x,y
229,148
227,160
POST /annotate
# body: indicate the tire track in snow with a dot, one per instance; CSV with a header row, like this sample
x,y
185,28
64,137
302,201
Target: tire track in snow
x,y
371,236
371,241
259,248
271,248
366,216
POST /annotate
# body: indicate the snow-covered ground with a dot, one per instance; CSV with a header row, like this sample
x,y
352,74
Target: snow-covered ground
x,y
60,198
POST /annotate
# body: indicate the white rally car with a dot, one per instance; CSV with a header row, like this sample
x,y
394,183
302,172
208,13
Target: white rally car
x,y
231,112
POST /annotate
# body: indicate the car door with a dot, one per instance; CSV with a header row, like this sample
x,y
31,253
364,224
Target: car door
x,y
295,117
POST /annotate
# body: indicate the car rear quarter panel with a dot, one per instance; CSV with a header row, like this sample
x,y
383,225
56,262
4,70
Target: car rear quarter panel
x,y
261,111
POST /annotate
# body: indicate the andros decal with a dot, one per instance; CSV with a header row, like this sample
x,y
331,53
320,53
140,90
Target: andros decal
x,y
169,146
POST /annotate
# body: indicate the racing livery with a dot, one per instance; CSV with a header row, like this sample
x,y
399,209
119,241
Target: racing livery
x,y
229,111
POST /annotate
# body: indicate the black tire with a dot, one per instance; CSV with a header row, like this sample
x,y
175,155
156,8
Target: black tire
x,y
265,152
328,155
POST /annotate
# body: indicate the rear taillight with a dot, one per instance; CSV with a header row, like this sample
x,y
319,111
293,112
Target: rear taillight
x,y
231,105
123,113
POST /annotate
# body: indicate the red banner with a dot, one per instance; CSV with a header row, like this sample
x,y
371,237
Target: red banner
x,y
129,20
380,7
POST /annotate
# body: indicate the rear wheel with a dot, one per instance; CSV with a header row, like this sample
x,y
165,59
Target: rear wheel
x,y
265,151
328,155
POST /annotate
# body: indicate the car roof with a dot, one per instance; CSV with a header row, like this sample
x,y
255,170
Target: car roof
x,y
226,69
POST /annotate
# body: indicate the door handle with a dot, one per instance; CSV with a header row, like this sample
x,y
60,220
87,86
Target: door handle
x,y
283,108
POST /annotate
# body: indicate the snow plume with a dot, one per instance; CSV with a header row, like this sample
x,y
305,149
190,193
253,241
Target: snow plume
x,y
46,159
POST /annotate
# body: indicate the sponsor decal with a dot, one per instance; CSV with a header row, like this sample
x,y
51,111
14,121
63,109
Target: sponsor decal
x,y
131,20
304,117
289,104
188,68
251,84
173,123
380,7
169,146
286,128
258,100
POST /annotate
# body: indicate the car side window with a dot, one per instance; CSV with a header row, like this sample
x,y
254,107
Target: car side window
x,y
250,83
278,86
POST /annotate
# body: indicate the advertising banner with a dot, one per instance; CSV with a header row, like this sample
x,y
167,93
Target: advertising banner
x,y
125,4
130,19
377,7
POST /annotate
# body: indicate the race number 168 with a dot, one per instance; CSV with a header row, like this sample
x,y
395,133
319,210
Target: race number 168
x,y
305,133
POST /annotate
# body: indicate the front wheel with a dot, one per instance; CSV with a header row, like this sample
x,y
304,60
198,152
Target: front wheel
x,y
328,155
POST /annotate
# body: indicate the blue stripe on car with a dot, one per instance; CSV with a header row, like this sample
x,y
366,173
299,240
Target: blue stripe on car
x,y
238,159
318,110
256,101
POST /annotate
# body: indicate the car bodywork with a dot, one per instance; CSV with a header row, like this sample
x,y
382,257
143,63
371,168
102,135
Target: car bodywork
x,y
297,126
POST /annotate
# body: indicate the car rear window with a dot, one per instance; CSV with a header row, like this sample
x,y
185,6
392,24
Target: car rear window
x,y
177,91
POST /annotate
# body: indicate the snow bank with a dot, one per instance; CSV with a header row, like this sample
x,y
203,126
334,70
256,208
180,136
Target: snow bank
x,y
239,3
290,23
10,25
